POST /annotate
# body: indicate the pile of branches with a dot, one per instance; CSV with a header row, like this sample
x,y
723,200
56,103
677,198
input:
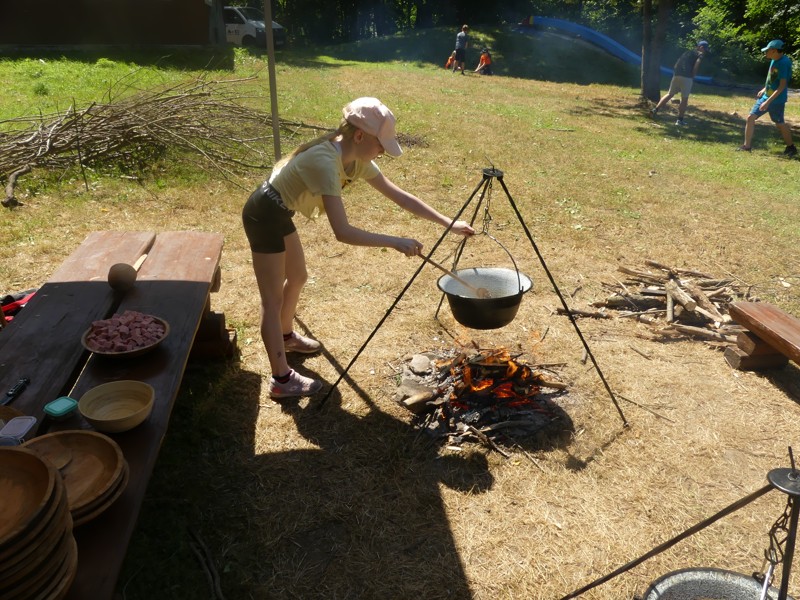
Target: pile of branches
x,y
683,302
206,119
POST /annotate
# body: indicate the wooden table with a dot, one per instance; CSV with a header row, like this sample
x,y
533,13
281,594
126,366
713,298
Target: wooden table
x,y
43,343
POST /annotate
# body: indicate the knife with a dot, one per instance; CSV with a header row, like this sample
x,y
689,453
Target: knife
x,y
15,390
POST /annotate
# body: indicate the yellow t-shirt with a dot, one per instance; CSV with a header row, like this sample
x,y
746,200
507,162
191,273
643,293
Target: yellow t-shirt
x,y
318,171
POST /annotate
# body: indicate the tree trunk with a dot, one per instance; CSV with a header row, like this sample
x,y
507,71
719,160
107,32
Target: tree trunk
x,y
652,46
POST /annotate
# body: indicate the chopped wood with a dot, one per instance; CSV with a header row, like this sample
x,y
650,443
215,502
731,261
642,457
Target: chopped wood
x,y
742,362
752,345
670,308
10,200
704,301
594,314
635,301
690,272
703,333
643,275
680,295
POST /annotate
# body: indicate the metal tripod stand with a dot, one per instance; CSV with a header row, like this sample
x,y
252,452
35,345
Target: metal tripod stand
x,y
481,190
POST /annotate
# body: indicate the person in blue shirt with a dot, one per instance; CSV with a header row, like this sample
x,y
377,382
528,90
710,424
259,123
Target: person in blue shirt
x,y
772,98
462,42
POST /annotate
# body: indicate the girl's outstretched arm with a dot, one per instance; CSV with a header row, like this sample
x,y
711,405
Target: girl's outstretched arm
x,y
349,234
416,206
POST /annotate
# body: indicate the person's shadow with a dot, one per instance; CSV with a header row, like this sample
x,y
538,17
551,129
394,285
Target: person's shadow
x,y
365,517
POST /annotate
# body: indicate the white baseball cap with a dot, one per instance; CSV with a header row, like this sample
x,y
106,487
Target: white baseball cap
x,y
373,117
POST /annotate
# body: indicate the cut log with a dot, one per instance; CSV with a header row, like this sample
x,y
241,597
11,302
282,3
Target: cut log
x,y
594,314
418,402
10,200
635,301
643,275
680,295
704,302
742,362
703,333
690,272
752,345
670,308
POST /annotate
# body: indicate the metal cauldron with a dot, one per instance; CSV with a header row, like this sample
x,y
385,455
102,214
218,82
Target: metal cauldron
x,y
505,287
704,583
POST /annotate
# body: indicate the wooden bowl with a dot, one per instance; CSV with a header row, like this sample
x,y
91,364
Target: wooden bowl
x,y
90,463
118,405
126,353
28,484
44,534
84,516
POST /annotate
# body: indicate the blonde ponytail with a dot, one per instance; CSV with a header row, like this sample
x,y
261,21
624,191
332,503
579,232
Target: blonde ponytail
x,y
345,129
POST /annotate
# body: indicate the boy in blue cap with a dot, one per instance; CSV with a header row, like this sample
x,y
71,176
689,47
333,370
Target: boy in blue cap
x,y
772,98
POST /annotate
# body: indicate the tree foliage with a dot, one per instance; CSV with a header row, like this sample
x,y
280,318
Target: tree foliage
x,y
736,29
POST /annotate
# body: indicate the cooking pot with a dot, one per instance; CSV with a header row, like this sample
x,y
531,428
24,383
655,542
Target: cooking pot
x,y
505,287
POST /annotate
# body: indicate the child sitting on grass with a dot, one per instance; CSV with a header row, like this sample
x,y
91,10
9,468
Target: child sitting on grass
x,y
485,63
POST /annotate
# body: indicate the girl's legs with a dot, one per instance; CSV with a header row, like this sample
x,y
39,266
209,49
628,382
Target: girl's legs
x,y
280,279
270,270
295,277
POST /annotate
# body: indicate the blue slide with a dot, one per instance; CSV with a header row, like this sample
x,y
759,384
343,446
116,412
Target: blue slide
x,y
598,39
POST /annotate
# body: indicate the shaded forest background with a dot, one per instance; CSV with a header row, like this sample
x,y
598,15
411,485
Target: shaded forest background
x,y
736,29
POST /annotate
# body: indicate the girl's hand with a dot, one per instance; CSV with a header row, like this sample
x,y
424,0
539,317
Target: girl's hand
x,y
408,246
462,228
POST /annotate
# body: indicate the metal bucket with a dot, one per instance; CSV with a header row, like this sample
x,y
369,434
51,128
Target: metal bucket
x,y
704,583
505,287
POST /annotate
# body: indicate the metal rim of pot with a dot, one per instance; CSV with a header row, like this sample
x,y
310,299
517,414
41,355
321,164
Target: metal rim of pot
x,y
706,582
505,288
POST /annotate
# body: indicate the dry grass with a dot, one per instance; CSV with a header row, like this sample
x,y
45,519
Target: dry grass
x,y
351,502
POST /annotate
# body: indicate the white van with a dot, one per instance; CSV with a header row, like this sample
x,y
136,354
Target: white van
x,y
245,27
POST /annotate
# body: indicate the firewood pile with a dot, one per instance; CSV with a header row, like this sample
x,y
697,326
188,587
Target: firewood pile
x,y
682,302
482,396
205,119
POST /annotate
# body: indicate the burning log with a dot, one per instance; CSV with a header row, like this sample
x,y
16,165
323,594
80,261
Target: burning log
x,y
483,396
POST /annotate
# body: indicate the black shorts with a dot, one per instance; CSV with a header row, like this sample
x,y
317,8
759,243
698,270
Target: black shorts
x,y
267,220
461,54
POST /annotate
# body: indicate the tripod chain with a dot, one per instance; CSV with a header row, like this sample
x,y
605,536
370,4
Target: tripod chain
x,y
487,215
773,556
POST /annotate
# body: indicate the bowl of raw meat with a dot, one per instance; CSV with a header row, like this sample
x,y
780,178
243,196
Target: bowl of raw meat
x,y
131,333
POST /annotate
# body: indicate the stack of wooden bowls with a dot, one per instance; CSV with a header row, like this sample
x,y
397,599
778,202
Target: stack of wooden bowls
x,y
38,554
92,468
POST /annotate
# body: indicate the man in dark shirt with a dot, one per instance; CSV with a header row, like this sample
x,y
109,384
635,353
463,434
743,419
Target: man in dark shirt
x,y
683,76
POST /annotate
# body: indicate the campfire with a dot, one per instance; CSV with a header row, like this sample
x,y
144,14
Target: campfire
x,y
485,396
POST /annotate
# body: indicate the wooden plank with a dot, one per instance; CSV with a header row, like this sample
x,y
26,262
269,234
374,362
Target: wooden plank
x,y
174,283
741,361
101,249
43,341
775,327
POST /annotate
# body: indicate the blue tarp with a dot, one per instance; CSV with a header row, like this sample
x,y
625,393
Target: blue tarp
x,y
598,39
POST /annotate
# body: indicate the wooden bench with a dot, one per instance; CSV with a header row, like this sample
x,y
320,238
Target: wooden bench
x,y
771,340
43,343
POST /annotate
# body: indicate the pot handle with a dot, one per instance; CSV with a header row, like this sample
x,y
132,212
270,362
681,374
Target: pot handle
x,y
519,280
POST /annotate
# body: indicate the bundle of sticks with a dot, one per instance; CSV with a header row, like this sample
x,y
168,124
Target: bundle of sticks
x,y
690,303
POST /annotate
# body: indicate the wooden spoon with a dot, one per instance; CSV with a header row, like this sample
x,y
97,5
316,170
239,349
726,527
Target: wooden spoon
x,y
480,292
